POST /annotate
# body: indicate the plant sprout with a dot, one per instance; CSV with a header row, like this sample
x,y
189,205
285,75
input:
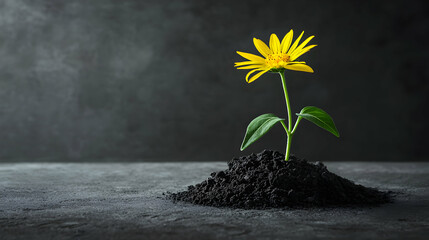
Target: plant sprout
x,y
277,58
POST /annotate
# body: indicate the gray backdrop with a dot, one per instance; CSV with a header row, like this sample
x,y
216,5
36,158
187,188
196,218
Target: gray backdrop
x,y
110,80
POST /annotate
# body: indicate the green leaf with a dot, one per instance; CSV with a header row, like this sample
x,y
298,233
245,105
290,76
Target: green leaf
x,y
258,127
320,118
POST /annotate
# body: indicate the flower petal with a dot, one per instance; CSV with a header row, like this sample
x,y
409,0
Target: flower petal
x,y
251,66
262,47
274,43
299,67
248,74
296,54
296,63
256,76
251,57
302,45
287,40
295,44
245,63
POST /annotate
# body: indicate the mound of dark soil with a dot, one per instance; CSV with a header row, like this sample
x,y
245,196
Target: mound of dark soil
x,y
265,180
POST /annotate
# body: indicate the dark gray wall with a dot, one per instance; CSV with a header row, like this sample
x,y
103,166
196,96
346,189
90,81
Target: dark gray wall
x,y
154,80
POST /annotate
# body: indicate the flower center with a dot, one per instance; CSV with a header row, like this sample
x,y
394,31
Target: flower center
x,y
277,60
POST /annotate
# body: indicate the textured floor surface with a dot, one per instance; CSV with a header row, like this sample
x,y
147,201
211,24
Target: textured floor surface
x,y
124,201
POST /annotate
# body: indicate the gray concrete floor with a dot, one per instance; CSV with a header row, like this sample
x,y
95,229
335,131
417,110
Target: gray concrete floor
x,y
124,201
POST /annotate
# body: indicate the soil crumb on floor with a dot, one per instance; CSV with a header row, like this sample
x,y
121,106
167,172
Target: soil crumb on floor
x,y
266,180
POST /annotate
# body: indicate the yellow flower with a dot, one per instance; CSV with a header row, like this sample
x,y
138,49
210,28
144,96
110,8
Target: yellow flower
x,y
277,57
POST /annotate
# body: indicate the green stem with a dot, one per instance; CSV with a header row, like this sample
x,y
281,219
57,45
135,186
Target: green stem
x,y
288,144
296,125
284,126
289,115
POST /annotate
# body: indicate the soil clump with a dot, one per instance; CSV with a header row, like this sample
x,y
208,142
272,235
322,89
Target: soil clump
x,y
265,180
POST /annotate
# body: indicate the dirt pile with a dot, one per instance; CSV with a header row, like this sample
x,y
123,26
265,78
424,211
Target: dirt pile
x,y
265,180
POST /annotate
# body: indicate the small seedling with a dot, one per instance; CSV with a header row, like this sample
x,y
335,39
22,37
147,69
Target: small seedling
x,y
277,58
